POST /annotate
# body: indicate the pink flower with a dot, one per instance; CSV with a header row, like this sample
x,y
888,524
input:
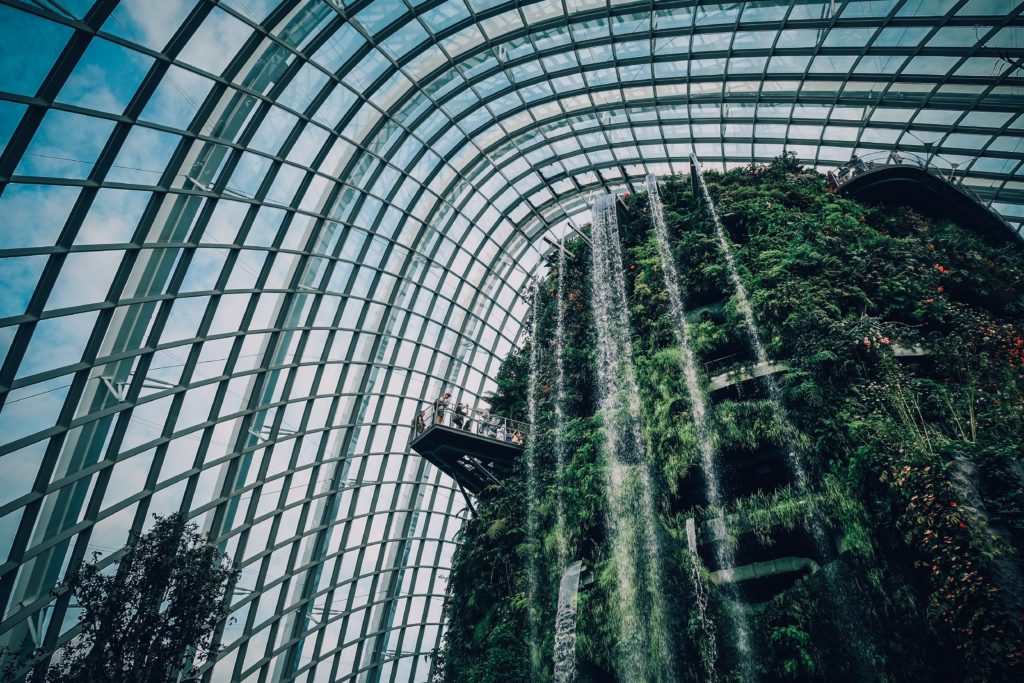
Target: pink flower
x,y
885,340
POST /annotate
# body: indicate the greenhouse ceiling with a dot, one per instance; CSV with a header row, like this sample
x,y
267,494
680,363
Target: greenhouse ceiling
x,y
243,241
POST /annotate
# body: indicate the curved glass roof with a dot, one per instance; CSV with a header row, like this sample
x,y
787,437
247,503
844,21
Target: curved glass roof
x,y
243,240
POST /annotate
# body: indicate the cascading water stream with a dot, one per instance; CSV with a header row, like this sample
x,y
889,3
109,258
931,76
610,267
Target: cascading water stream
x,y
565,625
645,652
795,458
532,536
844,608
563,549
753,334
723,549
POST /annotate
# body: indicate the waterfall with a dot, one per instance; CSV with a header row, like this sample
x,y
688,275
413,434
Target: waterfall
x,y
645,651
532,535
723,549
708,646
844,608
563,550
753,334
565,625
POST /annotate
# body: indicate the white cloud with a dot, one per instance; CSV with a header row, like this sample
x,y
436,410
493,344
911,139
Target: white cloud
x,y
150,23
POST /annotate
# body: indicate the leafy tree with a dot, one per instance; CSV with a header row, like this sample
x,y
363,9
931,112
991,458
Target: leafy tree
x,y
152,617
509,399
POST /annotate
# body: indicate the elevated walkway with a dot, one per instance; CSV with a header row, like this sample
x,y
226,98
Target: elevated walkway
x,y
908,179
760,581
915,351
473,447
759,570
744,374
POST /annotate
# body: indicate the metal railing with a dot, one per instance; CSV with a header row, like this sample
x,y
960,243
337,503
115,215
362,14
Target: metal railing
x,y
718,366
857,166
479,422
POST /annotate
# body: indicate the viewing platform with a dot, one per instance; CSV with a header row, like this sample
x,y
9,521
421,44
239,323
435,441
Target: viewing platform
x,y
760,581
473,447
910,179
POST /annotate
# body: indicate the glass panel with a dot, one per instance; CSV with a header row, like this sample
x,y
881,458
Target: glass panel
x,y
84,278
65,146
145,22
216,42
106,77
34,214
29,49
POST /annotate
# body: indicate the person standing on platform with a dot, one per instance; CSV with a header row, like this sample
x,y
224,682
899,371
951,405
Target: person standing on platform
x,y
440,405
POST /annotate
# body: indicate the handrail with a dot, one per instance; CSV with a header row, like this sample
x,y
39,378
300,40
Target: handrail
x,y
871,161
715,364
480,422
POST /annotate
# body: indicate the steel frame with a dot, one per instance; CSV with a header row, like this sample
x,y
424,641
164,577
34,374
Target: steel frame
x,y
430,198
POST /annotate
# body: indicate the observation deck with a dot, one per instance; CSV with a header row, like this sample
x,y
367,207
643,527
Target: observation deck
x,y
909,179
473,447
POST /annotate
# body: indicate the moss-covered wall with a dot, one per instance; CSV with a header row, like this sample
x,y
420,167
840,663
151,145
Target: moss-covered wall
x,y
915,463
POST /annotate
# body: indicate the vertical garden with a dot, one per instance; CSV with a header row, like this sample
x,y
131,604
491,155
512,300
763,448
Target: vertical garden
x,y
794,452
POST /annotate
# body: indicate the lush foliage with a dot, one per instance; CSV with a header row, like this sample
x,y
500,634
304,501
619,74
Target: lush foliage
x,y
153,616
903,392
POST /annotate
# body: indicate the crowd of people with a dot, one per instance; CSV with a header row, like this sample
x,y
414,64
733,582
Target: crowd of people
x,y
458,416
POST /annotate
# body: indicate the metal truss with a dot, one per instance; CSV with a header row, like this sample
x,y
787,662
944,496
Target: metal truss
x,y
245,240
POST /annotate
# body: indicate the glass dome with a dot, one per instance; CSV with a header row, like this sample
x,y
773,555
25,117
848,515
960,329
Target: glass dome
x,y
244,241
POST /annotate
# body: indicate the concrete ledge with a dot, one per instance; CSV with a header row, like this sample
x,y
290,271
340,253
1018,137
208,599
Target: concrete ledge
x,y
691,535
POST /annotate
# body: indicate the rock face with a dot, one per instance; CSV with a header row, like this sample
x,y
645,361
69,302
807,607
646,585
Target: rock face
x,y
1006,567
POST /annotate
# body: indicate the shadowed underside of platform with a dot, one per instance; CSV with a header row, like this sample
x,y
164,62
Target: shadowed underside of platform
x,y
472,460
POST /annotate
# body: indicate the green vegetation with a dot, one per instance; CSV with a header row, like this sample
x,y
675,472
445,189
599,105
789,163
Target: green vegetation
x,y
150,619
916,462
